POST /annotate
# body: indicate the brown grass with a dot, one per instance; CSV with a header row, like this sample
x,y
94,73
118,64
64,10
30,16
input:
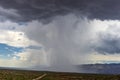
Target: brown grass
x,y
30,75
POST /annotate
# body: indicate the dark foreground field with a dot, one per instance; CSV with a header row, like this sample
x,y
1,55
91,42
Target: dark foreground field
x,y
32,75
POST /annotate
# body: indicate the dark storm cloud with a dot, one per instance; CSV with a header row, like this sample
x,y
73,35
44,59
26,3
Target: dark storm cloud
x,y
108,44
42,9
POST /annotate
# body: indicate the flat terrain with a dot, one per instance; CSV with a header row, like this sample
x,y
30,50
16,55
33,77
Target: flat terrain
x,y
36,75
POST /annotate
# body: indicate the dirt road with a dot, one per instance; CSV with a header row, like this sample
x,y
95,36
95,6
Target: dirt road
x,y
40,77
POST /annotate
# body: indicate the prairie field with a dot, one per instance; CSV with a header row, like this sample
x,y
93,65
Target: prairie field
x,y
33,75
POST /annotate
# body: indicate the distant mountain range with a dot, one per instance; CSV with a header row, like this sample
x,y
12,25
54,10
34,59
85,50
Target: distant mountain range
x,y
100,68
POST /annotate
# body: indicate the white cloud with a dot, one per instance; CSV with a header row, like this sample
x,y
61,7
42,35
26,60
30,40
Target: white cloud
x,y
15,38
101,58
67,40
10,35
33,57
14,63
26,59
70,38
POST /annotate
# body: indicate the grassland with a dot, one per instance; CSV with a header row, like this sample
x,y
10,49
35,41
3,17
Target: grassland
x,y
18,75
30,75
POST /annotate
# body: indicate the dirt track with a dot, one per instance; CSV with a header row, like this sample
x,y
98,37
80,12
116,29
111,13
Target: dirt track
x,y
40,77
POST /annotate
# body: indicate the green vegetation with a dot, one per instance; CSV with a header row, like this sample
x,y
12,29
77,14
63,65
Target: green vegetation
x,y
18,75
75,76
30,75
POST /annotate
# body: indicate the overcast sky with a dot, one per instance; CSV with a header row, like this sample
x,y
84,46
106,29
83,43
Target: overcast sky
x,y
37,34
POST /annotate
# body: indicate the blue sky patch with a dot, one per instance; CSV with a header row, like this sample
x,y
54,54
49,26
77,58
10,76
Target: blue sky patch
x,y
6,50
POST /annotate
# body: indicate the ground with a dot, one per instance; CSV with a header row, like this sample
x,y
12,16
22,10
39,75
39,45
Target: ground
x,y
35,75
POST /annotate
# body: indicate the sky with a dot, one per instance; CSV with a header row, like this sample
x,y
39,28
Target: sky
x,y
59,34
